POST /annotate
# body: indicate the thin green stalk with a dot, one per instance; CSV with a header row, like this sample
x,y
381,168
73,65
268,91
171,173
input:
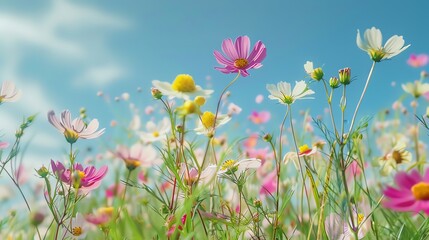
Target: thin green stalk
x,y
278,169
362,95
329,98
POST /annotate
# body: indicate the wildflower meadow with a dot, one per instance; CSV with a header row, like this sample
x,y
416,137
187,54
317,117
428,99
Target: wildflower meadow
x,y
182,164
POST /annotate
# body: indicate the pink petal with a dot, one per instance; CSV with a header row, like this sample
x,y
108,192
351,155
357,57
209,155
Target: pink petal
x,y
242,45
229,49
54,121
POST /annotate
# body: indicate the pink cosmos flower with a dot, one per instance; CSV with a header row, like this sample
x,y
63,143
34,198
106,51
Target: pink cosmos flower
x,y
85,179
238,59
412,194
137,155
101,216
73,130
115,190
269,184
8,92
251,141
418,60
260,117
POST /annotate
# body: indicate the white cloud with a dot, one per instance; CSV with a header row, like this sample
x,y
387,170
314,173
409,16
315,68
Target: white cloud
x,y
101,75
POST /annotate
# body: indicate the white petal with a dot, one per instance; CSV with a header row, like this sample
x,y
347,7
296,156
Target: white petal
x,y
308,67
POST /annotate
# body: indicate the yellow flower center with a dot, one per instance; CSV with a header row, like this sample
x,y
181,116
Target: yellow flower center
x,y
304,149
80,174
229,166
377,54
240,63
76,231
183,83
360,218
155,134
208,119
288,99
396,155
190,107
106,210
199,100
420,191
131,164
71,135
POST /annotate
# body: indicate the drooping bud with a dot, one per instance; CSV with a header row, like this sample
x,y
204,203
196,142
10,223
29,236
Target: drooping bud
x,y
43,172
156,93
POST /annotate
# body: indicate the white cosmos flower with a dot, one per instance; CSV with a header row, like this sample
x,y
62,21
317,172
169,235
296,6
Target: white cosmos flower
x,y
182,87
283,93
78,228
237,167
372,44
398,155
416,89
8,92
206,123
155,132
308,67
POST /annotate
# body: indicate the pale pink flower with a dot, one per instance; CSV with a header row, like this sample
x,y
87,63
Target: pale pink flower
x,y
238,59
73,130
233,109
260,153
137,155
419,60
251,141
101,216
148,110
259,98
4,145
260,117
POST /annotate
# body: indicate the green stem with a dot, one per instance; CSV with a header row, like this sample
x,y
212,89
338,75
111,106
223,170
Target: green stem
x,y
362,95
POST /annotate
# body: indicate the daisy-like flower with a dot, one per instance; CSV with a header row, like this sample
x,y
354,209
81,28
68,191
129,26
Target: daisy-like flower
x,y
8,92
283,93
137,155
77,229
398,155
412,194
316,74
183,87
372,45
73,130
238,59
207,121
155,132
83,179
237,167
416,89
304,150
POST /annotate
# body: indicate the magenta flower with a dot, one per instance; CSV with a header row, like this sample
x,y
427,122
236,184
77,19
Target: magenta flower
x,y
412,194
418,60
85,179
73,130
238,59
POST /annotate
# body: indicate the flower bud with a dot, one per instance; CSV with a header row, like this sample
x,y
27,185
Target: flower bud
x,y
317,74
36,218
43,172
334,82
200,101
257,203
344,76
156,93
267,137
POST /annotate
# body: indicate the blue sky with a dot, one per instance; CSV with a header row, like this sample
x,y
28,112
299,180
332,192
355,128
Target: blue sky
x,y
60,53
